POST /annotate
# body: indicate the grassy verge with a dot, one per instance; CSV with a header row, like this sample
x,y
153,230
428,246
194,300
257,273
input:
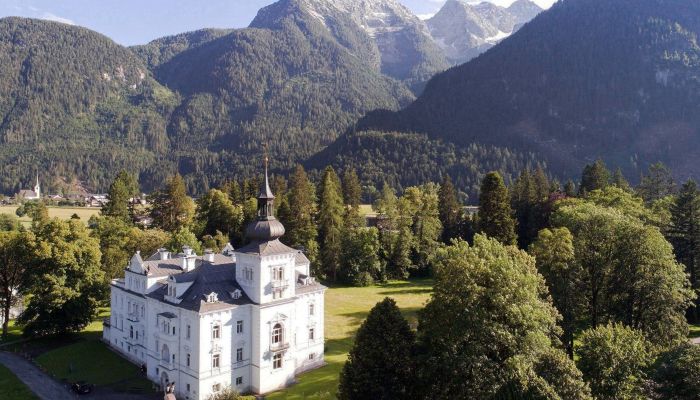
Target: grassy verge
x,y
83,357
694,331
346,309
11,388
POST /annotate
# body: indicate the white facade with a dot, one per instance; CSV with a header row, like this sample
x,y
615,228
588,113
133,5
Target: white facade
x,y
167,316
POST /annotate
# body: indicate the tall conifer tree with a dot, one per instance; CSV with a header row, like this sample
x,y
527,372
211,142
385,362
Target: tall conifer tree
x,y
380,365
300,224
330,222
684,234
495,214
450,210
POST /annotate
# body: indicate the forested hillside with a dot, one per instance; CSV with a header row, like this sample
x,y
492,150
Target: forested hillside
x,y
293,87
402,160
588,78
74,103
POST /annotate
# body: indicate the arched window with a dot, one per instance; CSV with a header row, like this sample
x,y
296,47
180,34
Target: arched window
x,y
131,332
165,353
277,334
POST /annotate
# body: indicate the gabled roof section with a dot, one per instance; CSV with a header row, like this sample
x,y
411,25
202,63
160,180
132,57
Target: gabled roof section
x,y
301,259
136,264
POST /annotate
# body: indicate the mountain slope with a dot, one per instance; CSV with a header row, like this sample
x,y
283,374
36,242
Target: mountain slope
x,y
164,49
291,85
383,32
74,102
464,30
588,78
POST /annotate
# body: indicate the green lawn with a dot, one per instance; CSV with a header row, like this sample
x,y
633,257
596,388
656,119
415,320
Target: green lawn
x,y
12,388
56,212
346,309
694,331
83,357
13,333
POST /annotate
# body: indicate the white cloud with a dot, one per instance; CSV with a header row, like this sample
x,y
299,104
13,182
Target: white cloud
x,y
426,16
53,17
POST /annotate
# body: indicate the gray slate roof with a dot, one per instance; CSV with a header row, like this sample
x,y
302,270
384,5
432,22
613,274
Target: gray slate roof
x,y
266,248
217,277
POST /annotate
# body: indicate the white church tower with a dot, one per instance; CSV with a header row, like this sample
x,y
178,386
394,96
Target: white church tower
x,y
37,187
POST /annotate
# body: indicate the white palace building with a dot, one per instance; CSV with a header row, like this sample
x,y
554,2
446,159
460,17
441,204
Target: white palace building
x,y
250,318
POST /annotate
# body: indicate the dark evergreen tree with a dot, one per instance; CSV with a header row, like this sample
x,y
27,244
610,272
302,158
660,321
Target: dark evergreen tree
x,y
124,188
352,190
618,180
451,215
331,214
380,365
495,214
684,235
657,183
570,188
300,224
172,208
594,177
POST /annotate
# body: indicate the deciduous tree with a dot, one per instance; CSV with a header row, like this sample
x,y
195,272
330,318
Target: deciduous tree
x,y
66,282
489,325
18,251
614,360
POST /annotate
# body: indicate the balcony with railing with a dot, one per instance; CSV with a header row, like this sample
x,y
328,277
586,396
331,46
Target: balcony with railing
x,y
133,317
279,284
279,346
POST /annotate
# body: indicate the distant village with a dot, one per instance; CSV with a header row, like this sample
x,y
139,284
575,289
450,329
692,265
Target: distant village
x,y
80,198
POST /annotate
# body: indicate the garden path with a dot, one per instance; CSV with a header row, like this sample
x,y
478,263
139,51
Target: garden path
x,y
45,387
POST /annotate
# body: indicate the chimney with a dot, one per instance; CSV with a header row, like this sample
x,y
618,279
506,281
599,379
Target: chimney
x,y
164,254
189,259
187,250
209,255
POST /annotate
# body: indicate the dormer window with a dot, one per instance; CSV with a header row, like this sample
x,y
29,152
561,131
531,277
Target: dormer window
x,y
212,297
236,294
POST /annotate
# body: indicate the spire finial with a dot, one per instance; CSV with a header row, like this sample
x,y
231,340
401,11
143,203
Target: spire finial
x,y
266,157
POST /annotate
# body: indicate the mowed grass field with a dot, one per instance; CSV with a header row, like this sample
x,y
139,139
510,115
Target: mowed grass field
x,y
346,309
11,388
56,212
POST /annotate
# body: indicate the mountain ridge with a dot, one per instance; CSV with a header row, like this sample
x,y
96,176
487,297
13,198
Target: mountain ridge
x,y
586,79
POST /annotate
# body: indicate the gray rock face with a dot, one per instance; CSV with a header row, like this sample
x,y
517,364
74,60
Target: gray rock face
x,y
464,30
384,33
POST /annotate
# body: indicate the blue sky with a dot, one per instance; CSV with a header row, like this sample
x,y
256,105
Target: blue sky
x,y
131,22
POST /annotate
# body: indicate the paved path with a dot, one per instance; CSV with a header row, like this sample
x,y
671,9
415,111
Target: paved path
x,y
695,340
36,380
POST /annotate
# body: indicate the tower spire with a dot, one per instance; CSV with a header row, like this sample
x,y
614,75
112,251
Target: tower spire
x,y
265,191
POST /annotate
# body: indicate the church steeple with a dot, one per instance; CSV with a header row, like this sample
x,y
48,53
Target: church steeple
x,y
37,187
266,199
